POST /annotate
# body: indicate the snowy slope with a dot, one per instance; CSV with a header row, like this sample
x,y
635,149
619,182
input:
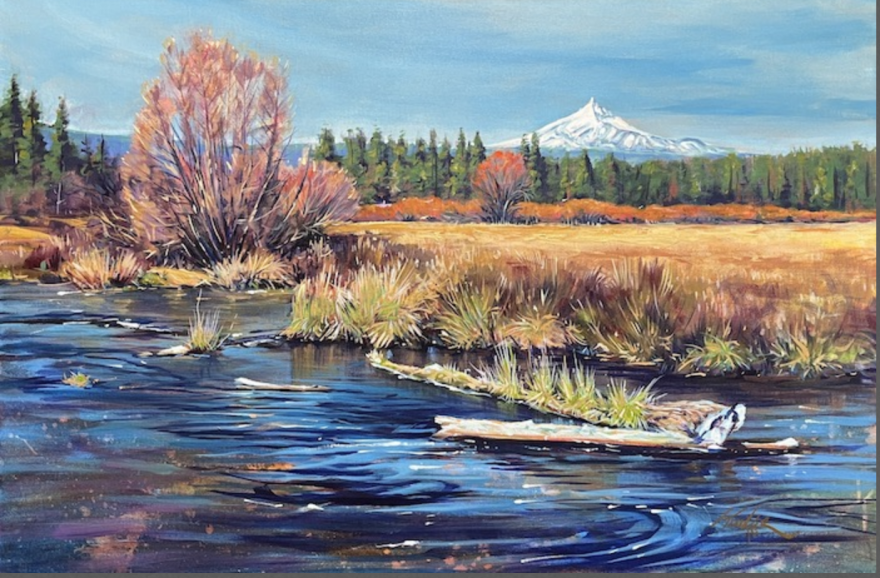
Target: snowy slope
x,y
596,128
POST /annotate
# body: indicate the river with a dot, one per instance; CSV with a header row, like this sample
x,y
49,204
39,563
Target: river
x,y
165,464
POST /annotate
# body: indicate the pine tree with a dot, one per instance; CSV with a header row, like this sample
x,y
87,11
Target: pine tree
x,y
477,152
434,164
62,156
326,149
565,183
35,142
444,162
420,171
11,129
459,182
537,170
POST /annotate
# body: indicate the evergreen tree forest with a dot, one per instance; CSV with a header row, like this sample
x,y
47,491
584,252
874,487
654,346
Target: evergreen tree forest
x,y
387,169
42,169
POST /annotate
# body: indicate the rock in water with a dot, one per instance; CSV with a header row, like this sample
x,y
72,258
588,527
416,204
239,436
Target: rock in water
x,y
715,428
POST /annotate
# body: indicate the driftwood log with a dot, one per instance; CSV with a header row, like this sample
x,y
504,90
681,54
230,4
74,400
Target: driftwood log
x,y
591,436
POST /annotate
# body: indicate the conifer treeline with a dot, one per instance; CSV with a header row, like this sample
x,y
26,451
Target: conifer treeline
x,y
385,169
42,169
49,175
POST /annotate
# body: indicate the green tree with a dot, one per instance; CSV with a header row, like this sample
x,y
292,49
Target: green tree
x,y
35,142
433,162
565,182
477,152
62,156
459,182
537,170
444,165
326,149
12,142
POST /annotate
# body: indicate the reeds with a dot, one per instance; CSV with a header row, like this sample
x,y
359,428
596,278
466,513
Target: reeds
x,y
97,268
313,310
556,388
718,355
635,321
253,271
205,332
384,305
468,316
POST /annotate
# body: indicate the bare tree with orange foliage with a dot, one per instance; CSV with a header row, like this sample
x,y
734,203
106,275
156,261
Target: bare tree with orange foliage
x,y
502,181
205,179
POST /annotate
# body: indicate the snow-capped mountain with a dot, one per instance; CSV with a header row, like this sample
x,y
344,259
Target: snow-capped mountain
x,y
595,128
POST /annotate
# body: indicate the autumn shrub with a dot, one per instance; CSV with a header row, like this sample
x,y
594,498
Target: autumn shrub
x,y
502,183
205,180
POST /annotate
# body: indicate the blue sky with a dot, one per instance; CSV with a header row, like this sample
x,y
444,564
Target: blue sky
x,y
759,76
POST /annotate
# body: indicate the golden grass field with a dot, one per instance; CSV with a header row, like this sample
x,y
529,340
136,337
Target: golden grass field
x,y
825,259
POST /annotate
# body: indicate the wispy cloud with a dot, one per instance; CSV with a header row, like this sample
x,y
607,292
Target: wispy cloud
x,y
502,67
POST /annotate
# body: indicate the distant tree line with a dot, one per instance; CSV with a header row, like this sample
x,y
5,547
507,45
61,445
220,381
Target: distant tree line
x,y
42,169
385,169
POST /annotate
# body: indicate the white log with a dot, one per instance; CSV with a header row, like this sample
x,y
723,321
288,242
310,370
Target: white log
x,y
245,383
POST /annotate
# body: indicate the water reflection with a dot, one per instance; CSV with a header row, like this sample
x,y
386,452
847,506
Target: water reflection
x,y
166,462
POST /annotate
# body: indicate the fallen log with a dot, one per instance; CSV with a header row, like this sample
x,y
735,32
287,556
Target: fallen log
x,y
686,417
597,438
245,383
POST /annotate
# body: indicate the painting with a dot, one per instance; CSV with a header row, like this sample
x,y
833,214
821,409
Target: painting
x,y
438,286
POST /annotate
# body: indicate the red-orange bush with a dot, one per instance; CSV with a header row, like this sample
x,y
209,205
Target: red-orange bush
x,y
313,196
502,181
205,178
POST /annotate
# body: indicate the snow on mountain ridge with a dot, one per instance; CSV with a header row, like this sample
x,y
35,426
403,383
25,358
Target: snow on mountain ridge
x,y
595,127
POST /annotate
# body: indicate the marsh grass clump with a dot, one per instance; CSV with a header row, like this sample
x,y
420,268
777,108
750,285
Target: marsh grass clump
x,y
313,309
468,316
806,354
205,332
126,267
577,388
90,270
536,328
563,390
620,406
252,271
384,305
503,376
542,382
77,379
718,355
636,321
96,268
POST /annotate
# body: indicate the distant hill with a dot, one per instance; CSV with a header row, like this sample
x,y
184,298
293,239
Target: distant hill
x,y
118,145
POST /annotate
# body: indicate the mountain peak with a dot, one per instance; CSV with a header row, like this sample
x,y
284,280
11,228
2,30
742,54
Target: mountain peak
x,y
594,127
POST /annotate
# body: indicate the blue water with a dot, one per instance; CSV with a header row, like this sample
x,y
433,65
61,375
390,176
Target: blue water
x,y
165,464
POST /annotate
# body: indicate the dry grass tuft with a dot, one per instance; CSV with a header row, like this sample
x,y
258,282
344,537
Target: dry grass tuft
x,y
205,332
253,271
385,305
96,269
